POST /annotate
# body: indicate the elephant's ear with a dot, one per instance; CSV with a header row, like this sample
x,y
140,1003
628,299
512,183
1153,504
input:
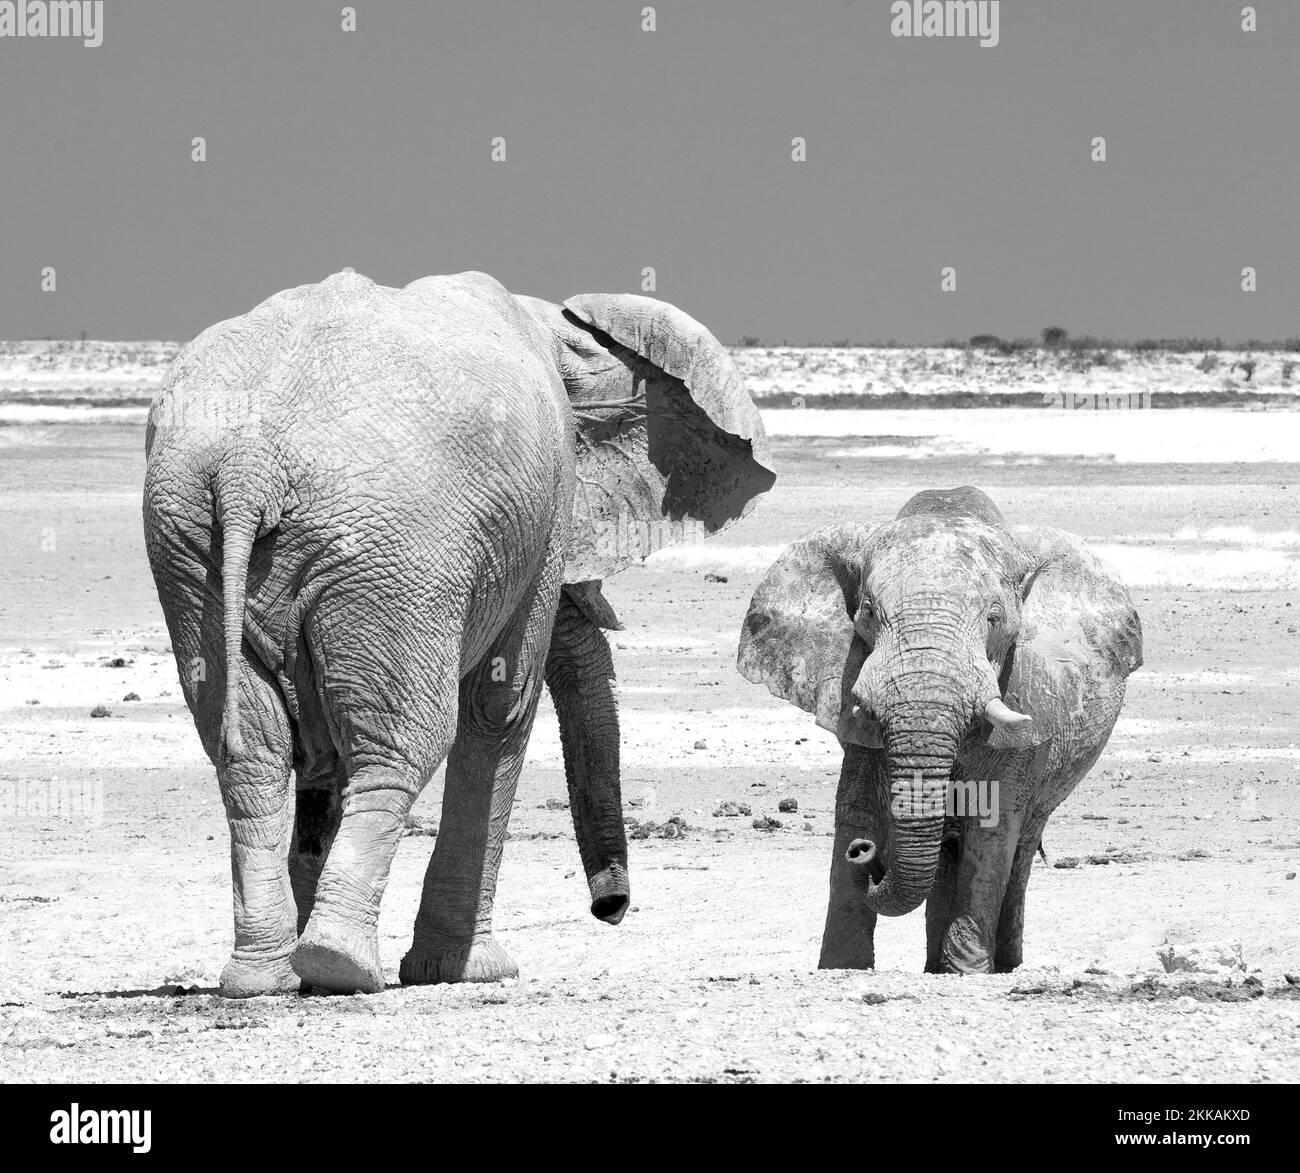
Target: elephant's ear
x,y
669,445
1079,639
799,638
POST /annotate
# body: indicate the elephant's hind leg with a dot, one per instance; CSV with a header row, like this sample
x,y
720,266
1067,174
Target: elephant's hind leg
x,y
453,939
390,699
258,800
319,802
318,809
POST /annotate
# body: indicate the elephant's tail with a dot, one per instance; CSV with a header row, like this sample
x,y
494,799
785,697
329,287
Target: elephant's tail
x,y
239,526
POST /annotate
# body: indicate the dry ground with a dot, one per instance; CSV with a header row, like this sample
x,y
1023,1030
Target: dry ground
x,y
1189,827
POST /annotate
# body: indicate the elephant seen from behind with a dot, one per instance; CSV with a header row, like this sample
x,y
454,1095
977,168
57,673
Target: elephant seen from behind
x,y
363,508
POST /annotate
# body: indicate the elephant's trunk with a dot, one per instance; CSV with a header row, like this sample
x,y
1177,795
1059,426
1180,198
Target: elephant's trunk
x,y
919,773
580,676
923,711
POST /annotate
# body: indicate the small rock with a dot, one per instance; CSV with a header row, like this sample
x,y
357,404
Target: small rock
x,y
701,744
766,823
1066,861
819,1030
100,711
711,577
731,810
117,662
557,804
674,828
1290,875
131,696
788,806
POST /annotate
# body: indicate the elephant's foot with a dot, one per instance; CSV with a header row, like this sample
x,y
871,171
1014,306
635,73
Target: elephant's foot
x,y
847,955
480,960
1007,959
964,949
338,959
245,977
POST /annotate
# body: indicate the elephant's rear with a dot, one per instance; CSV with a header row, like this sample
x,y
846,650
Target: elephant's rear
x,y
361,448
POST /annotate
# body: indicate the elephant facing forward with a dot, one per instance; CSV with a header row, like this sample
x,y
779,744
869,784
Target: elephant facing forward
x,y
361,505
956,658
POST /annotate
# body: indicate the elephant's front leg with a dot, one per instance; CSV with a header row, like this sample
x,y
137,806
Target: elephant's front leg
x,y
984,868
939,904
580,676
1011,922
848,939
453,939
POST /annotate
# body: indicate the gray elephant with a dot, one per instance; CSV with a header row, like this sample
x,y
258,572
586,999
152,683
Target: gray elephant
x,y
973,672
360,507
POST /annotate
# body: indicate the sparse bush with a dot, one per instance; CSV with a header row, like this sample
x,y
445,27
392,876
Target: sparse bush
x,y
1288,369
1054,336
1248,365
749,341
1209,363
985,342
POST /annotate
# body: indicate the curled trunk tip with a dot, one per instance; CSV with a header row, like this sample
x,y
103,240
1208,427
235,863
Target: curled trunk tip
x,y
610,894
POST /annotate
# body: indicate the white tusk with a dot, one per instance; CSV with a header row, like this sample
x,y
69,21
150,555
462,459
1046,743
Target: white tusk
x,y
1004,718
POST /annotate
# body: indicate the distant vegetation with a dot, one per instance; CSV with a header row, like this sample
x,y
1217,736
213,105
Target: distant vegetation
x,y
1052,338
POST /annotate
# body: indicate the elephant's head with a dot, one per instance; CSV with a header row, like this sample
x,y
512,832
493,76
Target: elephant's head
x,y
942,625
668,448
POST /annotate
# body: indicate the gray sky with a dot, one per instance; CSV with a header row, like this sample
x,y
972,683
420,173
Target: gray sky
x,y
670,149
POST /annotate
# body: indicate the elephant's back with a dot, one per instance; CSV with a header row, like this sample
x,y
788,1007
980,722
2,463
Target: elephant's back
x,y
420,431
434,391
